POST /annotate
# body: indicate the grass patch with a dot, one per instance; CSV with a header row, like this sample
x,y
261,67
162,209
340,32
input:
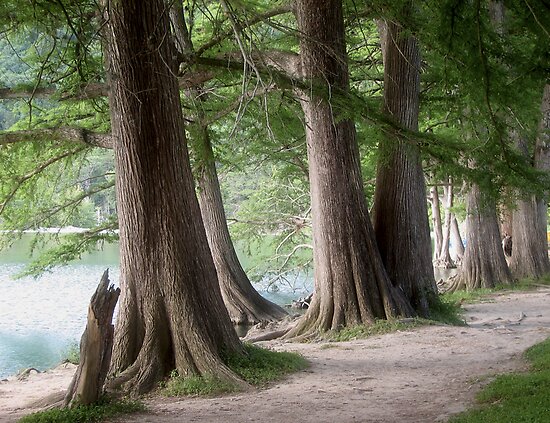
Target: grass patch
x,y
196,385
445,309
379,327
256,366
259,365
460,297
518,397
85,413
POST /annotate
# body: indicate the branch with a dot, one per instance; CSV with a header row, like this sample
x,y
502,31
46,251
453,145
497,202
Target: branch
x,y
39,169
63,134
285,8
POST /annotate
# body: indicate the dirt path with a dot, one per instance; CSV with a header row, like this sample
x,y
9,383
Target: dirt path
x,y
422,375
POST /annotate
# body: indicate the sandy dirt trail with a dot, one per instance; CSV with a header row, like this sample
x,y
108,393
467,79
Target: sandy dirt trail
x,y
422,375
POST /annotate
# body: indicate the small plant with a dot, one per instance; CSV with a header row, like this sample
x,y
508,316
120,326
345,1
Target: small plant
x,y
518,397
85,413
446,309
72,355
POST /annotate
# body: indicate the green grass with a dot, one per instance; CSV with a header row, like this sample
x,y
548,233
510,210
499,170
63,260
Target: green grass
x,y
518,397
379,327
81,414
445,309
257,366
196,385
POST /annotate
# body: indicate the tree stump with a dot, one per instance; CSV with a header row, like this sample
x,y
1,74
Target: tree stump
x,y
95,346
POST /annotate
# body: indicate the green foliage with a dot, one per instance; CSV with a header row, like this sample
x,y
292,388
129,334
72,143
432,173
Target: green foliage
x,y
256,366
72,355
82,414
379,327
196,385
519,397
444,309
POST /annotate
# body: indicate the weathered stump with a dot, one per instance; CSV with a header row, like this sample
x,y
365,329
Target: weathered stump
x,y
95,346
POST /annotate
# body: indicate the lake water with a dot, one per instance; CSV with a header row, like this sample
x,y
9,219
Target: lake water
x,y
42,319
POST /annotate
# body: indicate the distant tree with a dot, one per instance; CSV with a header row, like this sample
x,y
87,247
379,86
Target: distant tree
x,y
529,236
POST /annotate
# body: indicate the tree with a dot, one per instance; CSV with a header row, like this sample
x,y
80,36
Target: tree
x,y
483,265
530,251
351,284
400,210
244,304
171,312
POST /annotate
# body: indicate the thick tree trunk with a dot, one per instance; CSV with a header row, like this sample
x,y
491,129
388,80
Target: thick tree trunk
x,y
530,250
244,304
96,347
171,313
436,221
400,211
484,265
351,284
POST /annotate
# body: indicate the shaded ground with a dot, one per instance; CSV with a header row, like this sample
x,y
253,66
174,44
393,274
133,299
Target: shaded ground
x,y
422,375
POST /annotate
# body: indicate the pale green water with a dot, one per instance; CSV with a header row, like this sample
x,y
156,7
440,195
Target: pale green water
x,y
40,319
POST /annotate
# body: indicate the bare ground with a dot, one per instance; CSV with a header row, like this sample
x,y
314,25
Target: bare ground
x,y
422,375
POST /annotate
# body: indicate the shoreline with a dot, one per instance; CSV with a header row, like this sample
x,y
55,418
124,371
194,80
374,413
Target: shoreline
x,y
415,375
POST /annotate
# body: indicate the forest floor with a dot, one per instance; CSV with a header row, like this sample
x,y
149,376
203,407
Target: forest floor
x,y
422,375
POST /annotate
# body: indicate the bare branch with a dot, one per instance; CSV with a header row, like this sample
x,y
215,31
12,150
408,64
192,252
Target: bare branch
x,y
63,134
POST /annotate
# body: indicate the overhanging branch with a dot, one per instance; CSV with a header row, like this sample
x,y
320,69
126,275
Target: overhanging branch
x,y
63,134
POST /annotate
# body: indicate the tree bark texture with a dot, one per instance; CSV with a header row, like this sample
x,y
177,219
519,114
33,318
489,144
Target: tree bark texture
x,y
171,313
244,304
483,265
96,347
401,216
351,284
530,249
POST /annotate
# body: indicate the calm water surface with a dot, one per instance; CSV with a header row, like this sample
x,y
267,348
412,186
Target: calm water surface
x,y
42,319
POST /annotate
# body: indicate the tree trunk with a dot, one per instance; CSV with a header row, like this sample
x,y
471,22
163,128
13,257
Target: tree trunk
x,y
530,249
351,284
436,221
96,347
457,239
244,304
171,313
400,211
445,261
484,265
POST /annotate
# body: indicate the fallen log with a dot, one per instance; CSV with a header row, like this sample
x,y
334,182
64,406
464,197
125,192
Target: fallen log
x,y
95,346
